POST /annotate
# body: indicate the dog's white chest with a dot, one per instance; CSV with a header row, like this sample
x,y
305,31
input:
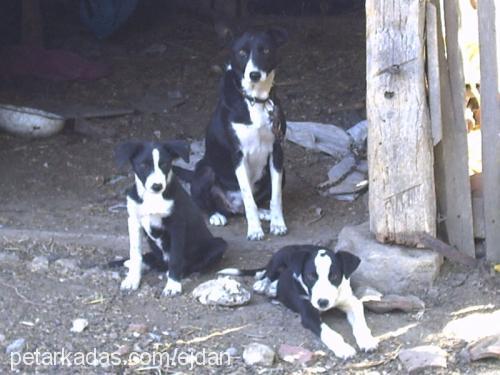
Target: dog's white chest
x,y
256,140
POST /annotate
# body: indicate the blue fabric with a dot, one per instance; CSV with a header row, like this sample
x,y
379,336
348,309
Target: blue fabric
x,y
103,17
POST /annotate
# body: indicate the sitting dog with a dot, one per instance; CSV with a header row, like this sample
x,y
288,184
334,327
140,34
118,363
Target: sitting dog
x,y
159,206
243,162
310,279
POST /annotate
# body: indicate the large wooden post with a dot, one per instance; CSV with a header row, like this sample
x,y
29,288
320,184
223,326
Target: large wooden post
x,y
489,41
400,153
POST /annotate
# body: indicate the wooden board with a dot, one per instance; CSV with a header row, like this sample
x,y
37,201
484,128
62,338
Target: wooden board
x,y
433,75
452,177
489,40
400,154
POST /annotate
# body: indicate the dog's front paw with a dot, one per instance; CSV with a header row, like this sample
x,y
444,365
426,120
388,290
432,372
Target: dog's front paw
x,y
256,234
278,229
260,286
173,288
131,282
272,290
344,351
367,343
218,220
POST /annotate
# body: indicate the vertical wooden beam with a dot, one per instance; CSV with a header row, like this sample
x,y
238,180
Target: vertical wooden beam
x,y
452,174
489,41
400,153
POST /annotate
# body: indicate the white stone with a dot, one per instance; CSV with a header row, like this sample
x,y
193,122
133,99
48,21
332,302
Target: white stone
x,y
79,325
258,354
389,269
39,264
222,291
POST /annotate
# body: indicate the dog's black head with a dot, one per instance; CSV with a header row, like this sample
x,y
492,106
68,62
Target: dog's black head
x,y
324,274
254,59
152,162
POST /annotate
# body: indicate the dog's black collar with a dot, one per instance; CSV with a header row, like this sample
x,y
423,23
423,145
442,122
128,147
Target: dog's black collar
x,y
254,99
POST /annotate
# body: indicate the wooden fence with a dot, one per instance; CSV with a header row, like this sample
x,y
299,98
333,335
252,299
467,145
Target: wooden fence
x,y
417,144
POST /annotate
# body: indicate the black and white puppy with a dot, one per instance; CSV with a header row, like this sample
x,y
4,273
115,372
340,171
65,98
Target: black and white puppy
x,y
158,206
309,280
243,163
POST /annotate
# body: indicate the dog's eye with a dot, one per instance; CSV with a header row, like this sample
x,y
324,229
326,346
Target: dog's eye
x,y
144,165
242,53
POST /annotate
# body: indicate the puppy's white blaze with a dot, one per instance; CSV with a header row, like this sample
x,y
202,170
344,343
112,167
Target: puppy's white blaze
x,y
323,288
157,177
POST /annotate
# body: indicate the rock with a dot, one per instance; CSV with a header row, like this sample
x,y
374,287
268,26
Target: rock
x,y
390,269
359,134
258,354
294,354
350,188
39,264
421,357
123,350
487,347
79,325
362,166
391,302
222,291
16,346
327,138
137,328
66,265
2,338
474,326
341,169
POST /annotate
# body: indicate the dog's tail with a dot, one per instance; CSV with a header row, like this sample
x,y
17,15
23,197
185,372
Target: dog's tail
x,y
151,260
184,174
258,273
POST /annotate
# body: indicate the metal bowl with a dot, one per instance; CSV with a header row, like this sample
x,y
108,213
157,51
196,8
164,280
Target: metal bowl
x,y
29,122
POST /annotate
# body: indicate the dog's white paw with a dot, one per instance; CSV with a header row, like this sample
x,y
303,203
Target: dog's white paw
x,y
278,228
260,286
272,289
264,214
173,288
256,234
367,343
131,282
344,350
218,220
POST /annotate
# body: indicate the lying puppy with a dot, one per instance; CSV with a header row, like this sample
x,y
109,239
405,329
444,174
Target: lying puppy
x,y
310,279
159,206
243,163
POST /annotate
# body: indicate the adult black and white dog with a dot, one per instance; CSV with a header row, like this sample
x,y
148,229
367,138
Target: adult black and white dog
x,y
309,280
243,163
158,206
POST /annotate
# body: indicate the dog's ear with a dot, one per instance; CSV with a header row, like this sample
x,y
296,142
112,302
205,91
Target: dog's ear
x,y
349,262
178,149
279,35
125,152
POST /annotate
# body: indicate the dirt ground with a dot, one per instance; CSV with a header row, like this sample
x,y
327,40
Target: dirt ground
x,y
58,197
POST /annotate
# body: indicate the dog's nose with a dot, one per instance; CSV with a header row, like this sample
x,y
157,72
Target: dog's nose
x,y
322,302
255,76
157,187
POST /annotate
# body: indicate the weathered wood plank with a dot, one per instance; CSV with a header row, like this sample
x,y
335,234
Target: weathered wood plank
x,y
452,178
400,154
489,41
433,75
